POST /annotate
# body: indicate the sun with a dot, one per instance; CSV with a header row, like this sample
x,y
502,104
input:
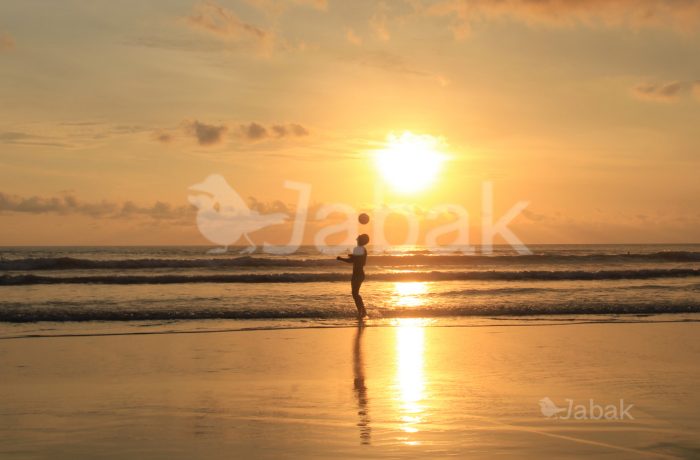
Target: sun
x,y
410,162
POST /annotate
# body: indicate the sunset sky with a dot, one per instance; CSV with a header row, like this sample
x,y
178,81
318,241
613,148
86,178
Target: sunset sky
x,y
109,111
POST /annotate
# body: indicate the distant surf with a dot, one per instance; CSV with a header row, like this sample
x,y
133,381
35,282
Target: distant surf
x,y
433,260
559,275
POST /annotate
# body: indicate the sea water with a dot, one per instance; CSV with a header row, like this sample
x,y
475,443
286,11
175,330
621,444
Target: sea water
x,y
62,289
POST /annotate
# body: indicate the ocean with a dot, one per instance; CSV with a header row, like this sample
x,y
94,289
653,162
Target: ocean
x,y
54,290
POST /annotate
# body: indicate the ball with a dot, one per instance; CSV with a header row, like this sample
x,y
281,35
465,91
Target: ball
x,y
363,218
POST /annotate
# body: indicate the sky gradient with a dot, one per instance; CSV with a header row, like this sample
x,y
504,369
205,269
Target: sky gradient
x,y
109,111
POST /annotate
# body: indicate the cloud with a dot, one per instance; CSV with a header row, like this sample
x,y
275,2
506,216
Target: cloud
x,y
681,15
608,226
163,137
352,37
205,134
389,62
396,64
224,24
269,207
662,92
158,211
379,22
7,43
533,216
318,4
211,134
69,134
292,129
69,204
256,132
695,87
22,138
670,91
182,43
13,136
276,7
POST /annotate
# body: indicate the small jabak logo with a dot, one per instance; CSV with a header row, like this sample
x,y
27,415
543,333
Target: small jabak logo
x,y
223,217
590,411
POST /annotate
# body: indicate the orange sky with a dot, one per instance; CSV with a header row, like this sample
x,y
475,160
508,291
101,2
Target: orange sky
x,y
588,110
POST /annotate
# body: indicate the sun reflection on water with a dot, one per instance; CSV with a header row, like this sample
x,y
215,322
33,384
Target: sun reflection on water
x,y
410,294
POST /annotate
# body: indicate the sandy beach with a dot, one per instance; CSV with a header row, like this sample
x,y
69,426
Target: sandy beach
x,y
386,392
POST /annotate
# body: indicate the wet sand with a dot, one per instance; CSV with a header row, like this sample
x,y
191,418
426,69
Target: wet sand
x,y
387,392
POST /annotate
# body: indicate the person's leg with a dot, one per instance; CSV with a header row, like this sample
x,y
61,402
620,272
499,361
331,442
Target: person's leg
x,y
356,284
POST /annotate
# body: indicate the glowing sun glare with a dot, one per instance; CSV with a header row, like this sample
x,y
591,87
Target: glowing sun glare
x,y
410,294
410,162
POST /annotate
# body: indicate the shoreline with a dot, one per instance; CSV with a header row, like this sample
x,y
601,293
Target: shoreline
x,y
204,326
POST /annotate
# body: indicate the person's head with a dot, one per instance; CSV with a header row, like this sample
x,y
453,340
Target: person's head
x,y
363,239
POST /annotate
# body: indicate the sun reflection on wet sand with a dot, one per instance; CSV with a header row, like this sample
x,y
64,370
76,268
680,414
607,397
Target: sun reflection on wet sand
x,y
410,377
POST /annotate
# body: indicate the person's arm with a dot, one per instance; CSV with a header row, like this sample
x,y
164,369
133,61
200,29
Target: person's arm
x,y
347,259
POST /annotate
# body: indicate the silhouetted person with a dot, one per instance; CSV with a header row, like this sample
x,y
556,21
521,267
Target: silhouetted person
x,y
360,388
358,258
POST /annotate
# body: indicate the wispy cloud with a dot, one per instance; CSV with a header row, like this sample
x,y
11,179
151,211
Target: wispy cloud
x,y
394,63
183,43
352,37
277,7
23,138
662,92
533,216
7,43
292,129
681,15
163,137
224,24
379,22
269,207
670,91
68,204
68,135
606,226
696,90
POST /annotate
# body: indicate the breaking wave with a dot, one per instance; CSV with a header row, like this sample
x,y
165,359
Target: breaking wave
x,y
27,315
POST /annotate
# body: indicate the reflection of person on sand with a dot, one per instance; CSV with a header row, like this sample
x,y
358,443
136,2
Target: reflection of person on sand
x,y
360,388
358,258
